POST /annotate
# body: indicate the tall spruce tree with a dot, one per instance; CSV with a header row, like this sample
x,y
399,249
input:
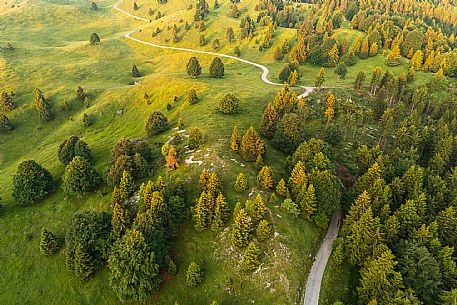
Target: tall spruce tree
x,y
251,258
44,109
242,229
216,68
193,67
251,145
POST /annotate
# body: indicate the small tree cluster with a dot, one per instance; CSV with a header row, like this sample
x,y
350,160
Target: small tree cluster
x,y
72,147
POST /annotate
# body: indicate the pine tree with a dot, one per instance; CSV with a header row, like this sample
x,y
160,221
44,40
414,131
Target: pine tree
x,y
265,178
259,162
256,208
374,49
213,184
193,275
281,188
293,79
80,177
330,108
135,72
251,258
120,221
126,186
263,230
201,212
192,97
269,121
44,109
193,67
221,213
297,179
235,140
180,124
320,79
394,56
358,84
230,34
416,60
216,68
307,202
333,56
204,177
134,272
364,50
251,145
83,265
48,242
5,123
344,45
241,229
94,39
241,184
6,102
171,158
278,55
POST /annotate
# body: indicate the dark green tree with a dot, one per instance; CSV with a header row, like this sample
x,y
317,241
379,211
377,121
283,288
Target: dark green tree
x,y
134,272
251,259
31,182
6,102
5,123
79,177
72,147
216,68
94,39
48,242
157,122
135,72
193,67
228,104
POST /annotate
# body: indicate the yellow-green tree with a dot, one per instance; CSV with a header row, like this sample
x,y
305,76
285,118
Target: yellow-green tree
x,y
263,230
281,188
365,49
330,108
320,79
251,258
241,184
265,178
120,221
241,229
251,145
297,179
416,60
394,56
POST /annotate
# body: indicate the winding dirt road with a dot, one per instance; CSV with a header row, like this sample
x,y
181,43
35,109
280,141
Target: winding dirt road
x,y
264,69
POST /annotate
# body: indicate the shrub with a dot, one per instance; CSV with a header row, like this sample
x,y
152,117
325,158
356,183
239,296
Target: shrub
x,y
157,122
228,104
31,182
193,275
94,38
5,123
48,242
192,97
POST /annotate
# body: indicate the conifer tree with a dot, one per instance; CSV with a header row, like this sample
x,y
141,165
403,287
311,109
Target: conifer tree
x,y
134,272
83,265
79,177
44,109
251,145
171,158
180,124
376,77
263,230
341,71
126,186
201,213
135,72
193,67
256,208
6,102
241,184
344,45
293,78
213,184
5,123
416,60
394,57
120,221
358,84
307,201
94,39
273,199
156,123
265,178
241,229
230,34
251,258
192,97
193,275
216,68
235,140
48,242
330,108
333,56
364,50
278,55
269,121
320,79
374,49
281,188
204,177
297,179
221,213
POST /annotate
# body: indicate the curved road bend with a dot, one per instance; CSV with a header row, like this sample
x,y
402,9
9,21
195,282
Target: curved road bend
x,y
313,286
264,69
